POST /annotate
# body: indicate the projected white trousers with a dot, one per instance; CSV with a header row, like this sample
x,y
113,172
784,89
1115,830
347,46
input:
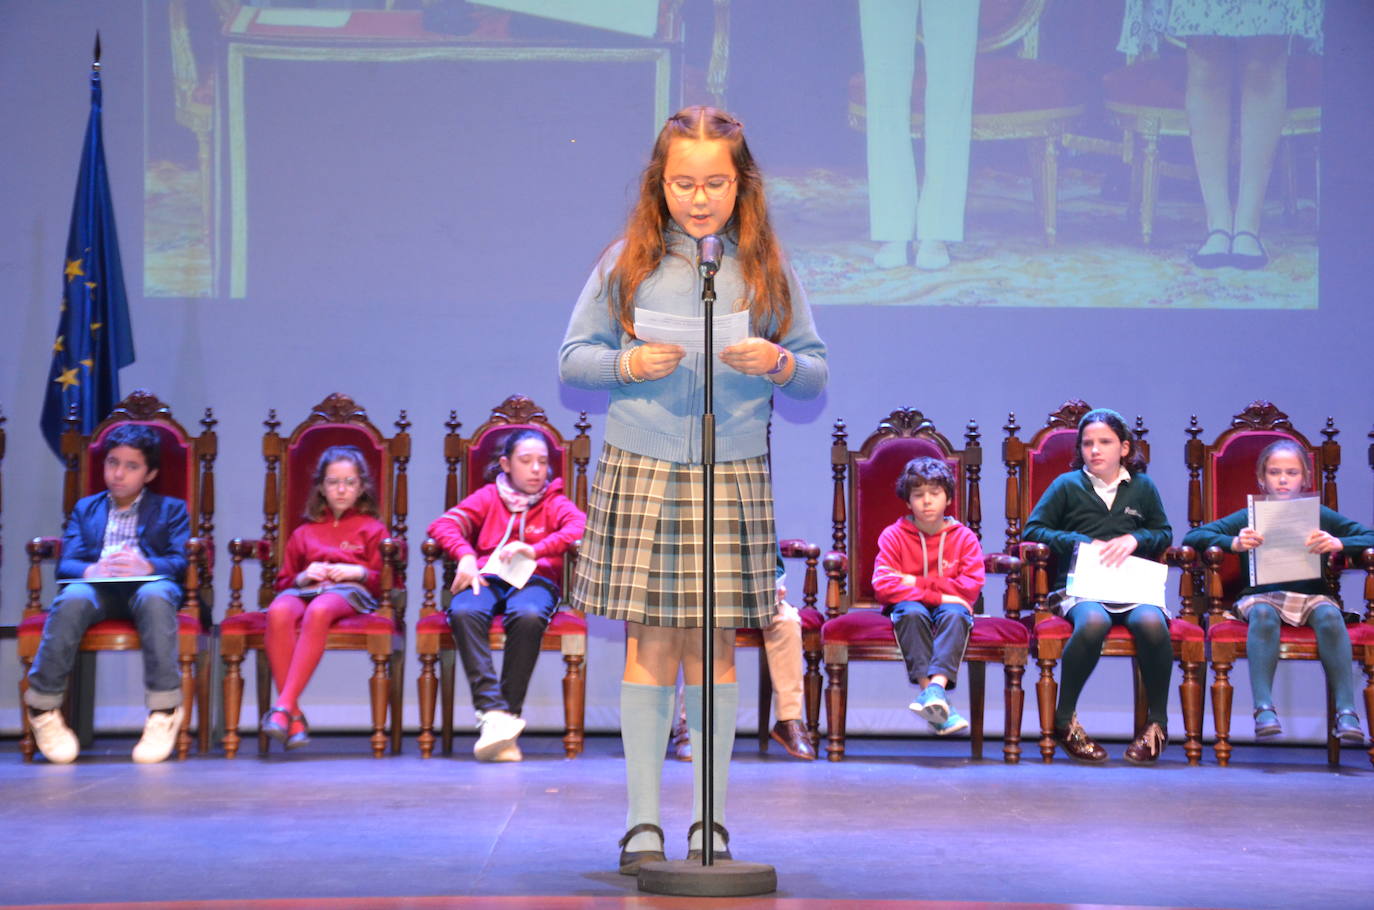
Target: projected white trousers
x,y
897,211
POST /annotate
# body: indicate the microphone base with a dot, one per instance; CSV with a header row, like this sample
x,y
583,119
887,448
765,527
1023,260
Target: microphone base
x,y
725,878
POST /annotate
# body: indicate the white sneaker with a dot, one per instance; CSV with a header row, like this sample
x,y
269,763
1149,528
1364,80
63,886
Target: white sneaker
x,y
498,730
55,739
510,753
159,736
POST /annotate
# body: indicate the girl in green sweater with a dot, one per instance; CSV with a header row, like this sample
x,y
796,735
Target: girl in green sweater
x,y
1106,497
1284,472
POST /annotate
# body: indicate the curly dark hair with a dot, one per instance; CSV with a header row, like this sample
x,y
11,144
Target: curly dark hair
x,y
924,470
315,505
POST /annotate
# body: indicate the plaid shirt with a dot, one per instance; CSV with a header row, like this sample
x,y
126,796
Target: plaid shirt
x,y
121,528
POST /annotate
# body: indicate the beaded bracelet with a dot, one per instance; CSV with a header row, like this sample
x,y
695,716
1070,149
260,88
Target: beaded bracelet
x,y
626,365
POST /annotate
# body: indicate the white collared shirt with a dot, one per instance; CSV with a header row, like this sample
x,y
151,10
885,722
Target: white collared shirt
x,y
1107,491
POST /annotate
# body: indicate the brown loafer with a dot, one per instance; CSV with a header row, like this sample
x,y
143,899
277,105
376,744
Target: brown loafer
x,y
631,860
792,736
1077,745
1147,746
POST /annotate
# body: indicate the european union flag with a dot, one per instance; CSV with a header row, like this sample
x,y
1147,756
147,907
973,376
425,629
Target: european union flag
x,y
94,338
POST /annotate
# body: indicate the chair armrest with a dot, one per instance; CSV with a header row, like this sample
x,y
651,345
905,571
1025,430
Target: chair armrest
x,y
39,549
796,548
395,551
251,548
43,548
1001,563
1180,557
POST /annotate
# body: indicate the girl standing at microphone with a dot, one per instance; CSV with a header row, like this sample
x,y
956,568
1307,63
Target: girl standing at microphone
x,y
641,558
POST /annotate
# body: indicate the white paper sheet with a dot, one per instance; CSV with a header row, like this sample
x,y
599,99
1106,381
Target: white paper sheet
x,y
109,579
688,331
514,571
1285,525
1135,581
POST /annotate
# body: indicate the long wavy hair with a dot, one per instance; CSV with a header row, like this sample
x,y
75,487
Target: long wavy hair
x,y
770,300
316,507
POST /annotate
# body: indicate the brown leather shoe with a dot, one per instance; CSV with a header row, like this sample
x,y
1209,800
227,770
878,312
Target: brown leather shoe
x,y
792,736
1147,746
1076,744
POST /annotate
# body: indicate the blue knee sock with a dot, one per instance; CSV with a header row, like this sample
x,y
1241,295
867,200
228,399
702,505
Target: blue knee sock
x,y
723,744
646,714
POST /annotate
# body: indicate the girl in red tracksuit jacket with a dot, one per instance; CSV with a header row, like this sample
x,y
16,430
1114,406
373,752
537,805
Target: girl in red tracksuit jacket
x,y
332,568
519,516
928,574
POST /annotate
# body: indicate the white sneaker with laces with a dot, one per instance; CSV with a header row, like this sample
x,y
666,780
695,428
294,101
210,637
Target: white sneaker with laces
x,y
499,729
159,736
54,738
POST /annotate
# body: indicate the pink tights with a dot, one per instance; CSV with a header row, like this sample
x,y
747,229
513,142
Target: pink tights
x,y
296,632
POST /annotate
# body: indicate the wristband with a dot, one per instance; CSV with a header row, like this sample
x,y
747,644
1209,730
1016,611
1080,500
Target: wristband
x,y
782,361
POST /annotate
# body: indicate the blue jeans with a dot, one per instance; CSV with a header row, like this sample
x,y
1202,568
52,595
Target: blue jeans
x,y
933,639
151,605
527,613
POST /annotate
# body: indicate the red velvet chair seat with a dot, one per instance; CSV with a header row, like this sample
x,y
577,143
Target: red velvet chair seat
x,y
1162,83
1001,85
33,625
1057,627
872,627
811,619
255,623
1233,631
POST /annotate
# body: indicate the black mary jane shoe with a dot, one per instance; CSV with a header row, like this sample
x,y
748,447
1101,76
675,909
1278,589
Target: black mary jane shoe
x,y
1248,261
1213,260
631,860
722,853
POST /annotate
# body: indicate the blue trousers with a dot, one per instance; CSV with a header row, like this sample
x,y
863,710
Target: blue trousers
x,y
151,605
527,613
933,639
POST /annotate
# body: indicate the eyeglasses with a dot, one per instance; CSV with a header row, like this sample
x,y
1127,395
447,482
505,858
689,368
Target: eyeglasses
x,y
351,483
684,188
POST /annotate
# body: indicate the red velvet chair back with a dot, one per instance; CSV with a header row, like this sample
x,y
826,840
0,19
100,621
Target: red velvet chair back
x,y
486,447
303,451
1222,474
185,460
470,459
873,470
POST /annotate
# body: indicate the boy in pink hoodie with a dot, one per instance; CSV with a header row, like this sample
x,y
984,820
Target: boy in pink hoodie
x,y
519,515
928,574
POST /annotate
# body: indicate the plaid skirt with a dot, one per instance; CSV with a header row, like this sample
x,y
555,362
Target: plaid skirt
x,y
641,555
1293,608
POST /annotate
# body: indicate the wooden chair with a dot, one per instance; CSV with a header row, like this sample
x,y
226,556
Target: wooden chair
x,y
5,631
1031,467
466,461
186,472
1220,475
1016,97
811,621
337,420
855,628
1145,100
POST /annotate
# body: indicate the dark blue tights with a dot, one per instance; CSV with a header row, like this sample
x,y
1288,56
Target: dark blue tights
x,y
1333,647
1154,655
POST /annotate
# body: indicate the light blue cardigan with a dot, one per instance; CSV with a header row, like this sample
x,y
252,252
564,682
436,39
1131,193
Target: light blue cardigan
x,y
662,418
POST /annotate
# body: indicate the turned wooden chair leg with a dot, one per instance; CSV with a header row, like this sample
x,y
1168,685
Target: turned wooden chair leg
x,y
1221,709
1190,695
574,704
379,685
811,682
1368,666
1015,699
1046,694
398,678
262,679
1333,745
232,695
27,747
427,686
977,691
765,697
447,668
835,691
187,662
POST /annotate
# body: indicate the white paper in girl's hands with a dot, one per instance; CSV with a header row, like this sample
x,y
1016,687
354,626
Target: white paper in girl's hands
x,y
688,332
515,570
1135,581
1285,524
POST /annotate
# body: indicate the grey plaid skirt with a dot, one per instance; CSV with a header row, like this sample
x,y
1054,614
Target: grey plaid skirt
x,y
641,555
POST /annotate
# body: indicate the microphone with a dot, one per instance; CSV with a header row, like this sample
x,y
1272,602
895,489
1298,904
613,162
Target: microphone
x,y
709,249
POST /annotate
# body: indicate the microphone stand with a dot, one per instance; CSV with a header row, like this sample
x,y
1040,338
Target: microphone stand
x,y
684,877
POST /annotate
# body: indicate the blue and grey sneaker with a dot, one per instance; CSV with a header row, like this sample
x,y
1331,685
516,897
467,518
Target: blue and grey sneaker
x,y
954,723
931,705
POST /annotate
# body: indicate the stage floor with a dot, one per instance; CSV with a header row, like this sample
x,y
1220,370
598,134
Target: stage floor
x,y
915,822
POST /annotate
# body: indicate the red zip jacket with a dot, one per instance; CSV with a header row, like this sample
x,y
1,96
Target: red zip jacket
x,y
950,562
552,526
355,539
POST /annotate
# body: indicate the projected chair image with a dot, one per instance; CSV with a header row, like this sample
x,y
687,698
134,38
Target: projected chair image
x,y
187,473
855,628
1221,474
290,466
1032,465
1015,97
467,459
